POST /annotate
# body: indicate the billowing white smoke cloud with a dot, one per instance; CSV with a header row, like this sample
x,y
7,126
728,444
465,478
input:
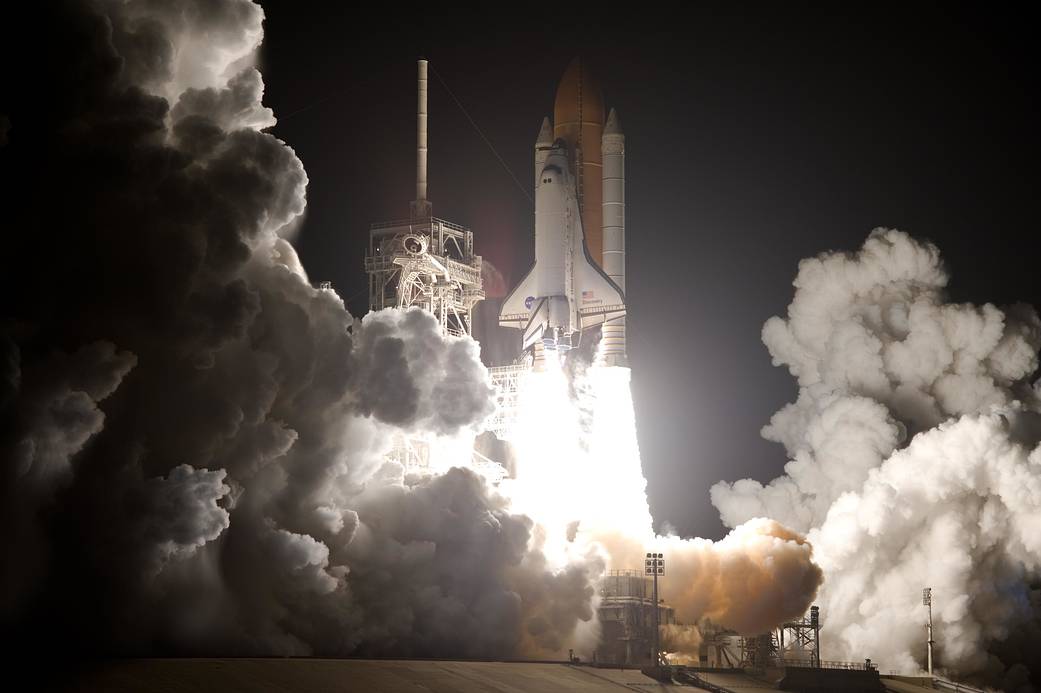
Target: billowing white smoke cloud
x,y
196,434
913,456
959,510
411,377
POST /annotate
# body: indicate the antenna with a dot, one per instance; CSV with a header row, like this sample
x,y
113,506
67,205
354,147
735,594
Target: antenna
x,y
421,207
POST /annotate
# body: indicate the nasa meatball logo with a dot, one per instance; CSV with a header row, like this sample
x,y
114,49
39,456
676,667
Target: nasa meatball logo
x,y
528,301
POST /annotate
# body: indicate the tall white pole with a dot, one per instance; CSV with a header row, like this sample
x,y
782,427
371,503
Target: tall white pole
x,y
927,599
815,621
421,207
655,566
930,640
657,647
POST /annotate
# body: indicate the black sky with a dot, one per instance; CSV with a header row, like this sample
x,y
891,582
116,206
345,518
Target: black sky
x,y
754,138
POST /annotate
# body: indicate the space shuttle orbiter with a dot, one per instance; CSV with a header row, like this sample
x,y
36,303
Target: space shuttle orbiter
x,y
567,290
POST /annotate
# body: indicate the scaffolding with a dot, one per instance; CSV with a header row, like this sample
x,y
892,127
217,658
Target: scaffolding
x,y
626,615
799,641
425,262
428,263
759,652
507,383
492,471
412,453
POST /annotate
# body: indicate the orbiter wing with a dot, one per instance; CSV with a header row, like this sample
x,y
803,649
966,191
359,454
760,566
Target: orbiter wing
x,y
516,309
597,298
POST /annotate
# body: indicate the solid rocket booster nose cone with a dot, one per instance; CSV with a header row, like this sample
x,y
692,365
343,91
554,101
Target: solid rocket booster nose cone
x,y
613,125
545,137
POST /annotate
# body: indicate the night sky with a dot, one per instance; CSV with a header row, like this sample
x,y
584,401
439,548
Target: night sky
x,y
753,140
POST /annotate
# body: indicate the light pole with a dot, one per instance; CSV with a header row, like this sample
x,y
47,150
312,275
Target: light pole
x,y
654,565
927,599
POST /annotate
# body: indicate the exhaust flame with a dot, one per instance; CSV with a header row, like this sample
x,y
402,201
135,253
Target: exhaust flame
x,y
579,477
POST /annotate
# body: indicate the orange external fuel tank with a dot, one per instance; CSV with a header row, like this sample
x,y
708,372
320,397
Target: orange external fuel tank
x,y
578,119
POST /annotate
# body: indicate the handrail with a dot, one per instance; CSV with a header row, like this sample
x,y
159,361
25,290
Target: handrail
x,y
828,664
423,221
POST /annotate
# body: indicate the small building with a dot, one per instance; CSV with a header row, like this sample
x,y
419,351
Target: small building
x,y
626,614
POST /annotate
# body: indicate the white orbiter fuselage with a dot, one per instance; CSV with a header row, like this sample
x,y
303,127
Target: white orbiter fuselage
x,y
565,291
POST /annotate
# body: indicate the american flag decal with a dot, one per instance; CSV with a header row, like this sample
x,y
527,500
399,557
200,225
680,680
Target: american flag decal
x,y
586,295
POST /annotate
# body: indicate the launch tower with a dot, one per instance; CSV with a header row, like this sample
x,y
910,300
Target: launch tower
x,y
424,261
430,263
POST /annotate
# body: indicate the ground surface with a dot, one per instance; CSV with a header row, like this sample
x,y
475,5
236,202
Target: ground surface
x,y
737,682
370,676
274,675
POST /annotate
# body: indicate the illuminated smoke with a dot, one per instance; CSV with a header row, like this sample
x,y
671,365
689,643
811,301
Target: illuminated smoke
x,y
579,476
758,576
914,460
196,435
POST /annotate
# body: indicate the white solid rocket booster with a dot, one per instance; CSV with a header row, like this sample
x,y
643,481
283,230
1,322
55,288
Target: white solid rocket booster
x,y
612,342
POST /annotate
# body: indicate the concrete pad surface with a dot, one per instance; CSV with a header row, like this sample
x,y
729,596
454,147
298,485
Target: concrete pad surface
x,y
276,675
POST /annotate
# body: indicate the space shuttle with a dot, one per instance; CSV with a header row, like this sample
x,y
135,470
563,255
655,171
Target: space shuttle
x,y
578,279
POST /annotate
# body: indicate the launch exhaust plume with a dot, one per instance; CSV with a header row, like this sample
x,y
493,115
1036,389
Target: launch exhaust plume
x,y
914,460
757,577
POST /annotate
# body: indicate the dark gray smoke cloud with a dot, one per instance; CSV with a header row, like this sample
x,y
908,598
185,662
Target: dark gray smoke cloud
x,y
193,434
